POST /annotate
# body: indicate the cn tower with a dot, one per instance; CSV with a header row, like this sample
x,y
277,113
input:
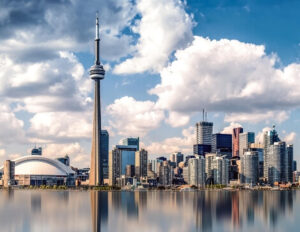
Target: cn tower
x,y
97,74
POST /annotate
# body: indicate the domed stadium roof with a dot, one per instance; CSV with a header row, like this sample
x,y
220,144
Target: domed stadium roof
x,y
39,165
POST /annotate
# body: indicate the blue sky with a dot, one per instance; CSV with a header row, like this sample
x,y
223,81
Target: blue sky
x,y
165,61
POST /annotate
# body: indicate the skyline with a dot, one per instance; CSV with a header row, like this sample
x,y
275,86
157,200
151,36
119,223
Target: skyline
x,y
49,77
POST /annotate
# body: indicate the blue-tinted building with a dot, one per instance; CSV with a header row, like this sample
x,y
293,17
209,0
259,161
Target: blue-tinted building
x,y
201,149
104,152
221,142
127,156
132,142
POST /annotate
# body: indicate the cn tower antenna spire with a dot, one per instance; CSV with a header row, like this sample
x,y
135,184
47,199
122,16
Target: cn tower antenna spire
x,y
97,26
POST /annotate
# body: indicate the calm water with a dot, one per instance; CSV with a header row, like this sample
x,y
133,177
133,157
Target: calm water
x,y
30,210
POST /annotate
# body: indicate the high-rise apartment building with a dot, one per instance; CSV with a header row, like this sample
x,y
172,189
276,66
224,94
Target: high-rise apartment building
x,y
165,173
245,139
196,171
220,170
208,167
249,168
270,137
132,142
277,163
104,152
235,140
141,161
204,132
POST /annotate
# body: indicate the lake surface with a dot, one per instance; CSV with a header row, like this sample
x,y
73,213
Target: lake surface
x,y
42,210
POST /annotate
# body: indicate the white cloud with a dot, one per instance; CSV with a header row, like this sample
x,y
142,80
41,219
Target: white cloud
x,y
228,76
164,27
259,138
229,129
78,156
183,144
290,138
176,119
134,118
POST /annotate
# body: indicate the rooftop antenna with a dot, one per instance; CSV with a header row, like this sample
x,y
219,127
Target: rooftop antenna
x,y
206,116
203,113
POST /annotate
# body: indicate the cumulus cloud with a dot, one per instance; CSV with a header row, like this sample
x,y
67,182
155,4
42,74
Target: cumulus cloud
x,y
176,119
183,144
229,129
78,156
163,28
290,138
134,118
228,76
259,138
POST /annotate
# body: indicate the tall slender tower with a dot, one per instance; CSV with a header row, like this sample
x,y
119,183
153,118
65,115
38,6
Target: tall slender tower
x,y
96,73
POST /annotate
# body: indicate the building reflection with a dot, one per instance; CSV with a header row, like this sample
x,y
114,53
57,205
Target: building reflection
x,y
99,208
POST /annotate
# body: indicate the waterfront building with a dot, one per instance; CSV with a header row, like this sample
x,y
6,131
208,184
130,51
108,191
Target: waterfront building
x,y
259,149
245,139
118,159
165,174
187,159
249,168
277,169
97,74
208,167
153,165
141,160
176,157
104,152
204,132
65,160
270,137
37,170
220,170
150,173
234,168
221,143
289,165
132,142
235,140
196,171
8,173
185,174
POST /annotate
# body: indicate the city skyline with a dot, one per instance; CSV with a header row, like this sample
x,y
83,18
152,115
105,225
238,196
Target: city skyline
x,y
46,93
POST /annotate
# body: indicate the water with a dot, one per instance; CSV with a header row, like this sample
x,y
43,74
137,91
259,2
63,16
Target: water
x,y
42,210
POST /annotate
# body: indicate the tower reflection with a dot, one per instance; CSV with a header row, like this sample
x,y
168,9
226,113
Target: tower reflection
x,y
99,208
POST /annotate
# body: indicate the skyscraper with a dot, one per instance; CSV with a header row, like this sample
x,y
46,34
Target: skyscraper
x,y
277,166
132,142
221,143
141,160
249,168
196,168
290,157
104,152
176,157
245,139
204,132
235,140
96,73
270,137
220,170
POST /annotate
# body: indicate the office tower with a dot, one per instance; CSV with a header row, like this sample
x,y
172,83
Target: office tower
x,y
165,173
235,140
249,168
196,168
65,160
221,143
132,142
176,157
270,137
104,152
260,151
290,157
36,151
127,156
294,165
220,170
185,174
8,173
150,172
204,132
130,171
141,160
97,74
201,149
277,158
234,168
208,167
245,139
153,165
187,159
114,165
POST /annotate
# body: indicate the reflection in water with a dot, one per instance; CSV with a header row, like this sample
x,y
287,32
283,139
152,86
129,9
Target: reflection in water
x,y
149,211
